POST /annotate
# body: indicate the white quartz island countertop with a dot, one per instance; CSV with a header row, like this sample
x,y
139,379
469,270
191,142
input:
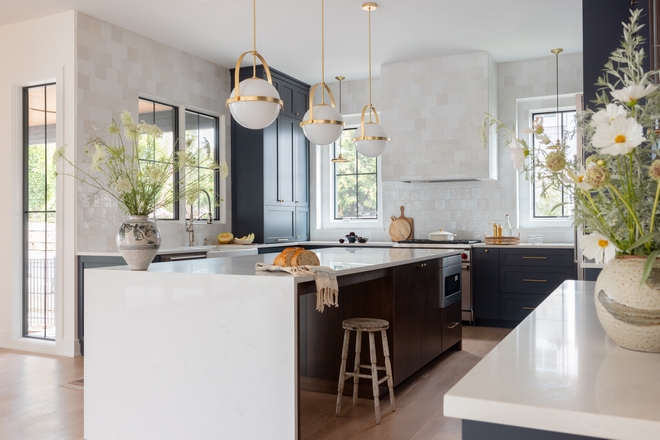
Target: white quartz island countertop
x,y
203,349
559,371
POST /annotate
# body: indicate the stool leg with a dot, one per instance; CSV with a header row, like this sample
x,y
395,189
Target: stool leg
x,y
356,369
374,375
388,368
342,370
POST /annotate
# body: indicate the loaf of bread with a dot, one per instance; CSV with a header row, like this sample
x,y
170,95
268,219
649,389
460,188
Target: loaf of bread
x,y
296,256
281,259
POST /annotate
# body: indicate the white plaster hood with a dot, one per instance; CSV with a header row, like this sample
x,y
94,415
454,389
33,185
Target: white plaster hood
x,y
432,110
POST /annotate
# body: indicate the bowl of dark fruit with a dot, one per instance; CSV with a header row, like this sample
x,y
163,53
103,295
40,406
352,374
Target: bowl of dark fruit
x,y
362,239
351,238
341,240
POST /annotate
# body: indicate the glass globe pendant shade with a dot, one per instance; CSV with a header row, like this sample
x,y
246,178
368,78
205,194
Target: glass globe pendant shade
x,y
326,127
372,141
258,104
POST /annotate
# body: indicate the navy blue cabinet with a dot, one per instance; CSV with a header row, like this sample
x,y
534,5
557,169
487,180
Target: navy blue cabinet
x,y
270,169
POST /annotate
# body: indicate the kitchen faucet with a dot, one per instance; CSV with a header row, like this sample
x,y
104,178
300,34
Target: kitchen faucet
x,y
190,226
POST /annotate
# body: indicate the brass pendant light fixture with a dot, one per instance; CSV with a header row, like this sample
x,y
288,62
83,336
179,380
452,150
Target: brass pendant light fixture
x,y
340,158
322,123
260,102
370,139
557,51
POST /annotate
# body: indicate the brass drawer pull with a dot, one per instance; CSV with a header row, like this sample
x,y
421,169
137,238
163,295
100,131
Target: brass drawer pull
x,y
453,325
419,266
534,258
529,308
527,280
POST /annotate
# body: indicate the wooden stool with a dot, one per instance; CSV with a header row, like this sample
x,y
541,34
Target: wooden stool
x,y
369,325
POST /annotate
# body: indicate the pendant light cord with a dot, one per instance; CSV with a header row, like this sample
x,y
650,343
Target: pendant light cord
x,y
254,38
370,103
323,51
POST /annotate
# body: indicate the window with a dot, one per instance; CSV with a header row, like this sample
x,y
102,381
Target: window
x,y
555,202
165,117
355,181
39,213
202,141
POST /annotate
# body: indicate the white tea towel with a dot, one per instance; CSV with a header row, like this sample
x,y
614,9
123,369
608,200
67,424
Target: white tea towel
x,y
327,289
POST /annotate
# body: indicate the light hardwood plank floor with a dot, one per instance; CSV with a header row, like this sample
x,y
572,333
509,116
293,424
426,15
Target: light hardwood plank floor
x,y
34,405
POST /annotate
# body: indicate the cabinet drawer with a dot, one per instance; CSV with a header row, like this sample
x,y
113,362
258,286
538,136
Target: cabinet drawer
x,y
535,280
516,307
452,325
537,257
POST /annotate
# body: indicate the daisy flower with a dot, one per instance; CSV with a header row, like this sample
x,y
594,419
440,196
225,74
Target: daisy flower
x,y
619,137
518,154
631,94
607,115
598,247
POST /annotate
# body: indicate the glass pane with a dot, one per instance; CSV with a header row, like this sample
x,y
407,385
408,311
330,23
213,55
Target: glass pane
x,y
201,135
366,164
367,196
346,147
346,199
40,215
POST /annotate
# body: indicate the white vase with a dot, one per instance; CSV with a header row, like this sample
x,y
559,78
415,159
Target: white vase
x,y
630,313
138,241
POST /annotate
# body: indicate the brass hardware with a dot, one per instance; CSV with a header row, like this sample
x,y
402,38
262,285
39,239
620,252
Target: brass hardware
x,y
340,158
534,281
557,51
255,55
485,251
529,308
369,6
534,258
453,325
419,266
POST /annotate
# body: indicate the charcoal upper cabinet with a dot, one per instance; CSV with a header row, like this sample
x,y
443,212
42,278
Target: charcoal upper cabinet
x,y
270,169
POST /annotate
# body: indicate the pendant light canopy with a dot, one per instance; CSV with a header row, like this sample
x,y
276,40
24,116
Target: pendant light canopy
x,y
322,123
254,103
340,158
370,139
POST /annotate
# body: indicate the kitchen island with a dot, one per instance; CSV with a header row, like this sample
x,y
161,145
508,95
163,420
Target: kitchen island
x,y
209,348
559,376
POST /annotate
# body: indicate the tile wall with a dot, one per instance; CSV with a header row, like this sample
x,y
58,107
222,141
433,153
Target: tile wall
x,y
115,67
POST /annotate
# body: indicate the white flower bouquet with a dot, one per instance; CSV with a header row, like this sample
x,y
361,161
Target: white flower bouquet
x,y
615,190
140,186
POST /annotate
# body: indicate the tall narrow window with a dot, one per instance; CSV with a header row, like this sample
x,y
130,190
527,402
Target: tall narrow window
x,y
356,181
554,203
39,214
165,117
202,142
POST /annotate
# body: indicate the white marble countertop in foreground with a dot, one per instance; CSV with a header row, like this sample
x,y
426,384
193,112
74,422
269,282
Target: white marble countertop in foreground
x,y
559,371
527,245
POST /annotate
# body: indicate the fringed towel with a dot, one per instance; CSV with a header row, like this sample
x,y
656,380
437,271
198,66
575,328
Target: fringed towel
x,y
327,290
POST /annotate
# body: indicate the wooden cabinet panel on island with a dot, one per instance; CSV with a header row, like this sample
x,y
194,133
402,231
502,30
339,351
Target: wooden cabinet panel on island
x,y
270,169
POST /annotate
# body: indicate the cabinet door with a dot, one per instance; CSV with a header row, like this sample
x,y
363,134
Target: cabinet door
x,y
428,277
270,165
287,94
300,167
406,322
285,142
301,102
278,224
302,223
452,326
486,283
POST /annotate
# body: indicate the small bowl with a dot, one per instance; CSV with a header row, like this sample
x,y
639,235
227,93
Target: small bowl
x,y
351,238
362,239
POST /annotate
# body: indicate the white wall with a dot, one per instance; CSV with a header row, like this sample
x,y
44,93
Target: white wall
x,y
116,67
35,52
464,208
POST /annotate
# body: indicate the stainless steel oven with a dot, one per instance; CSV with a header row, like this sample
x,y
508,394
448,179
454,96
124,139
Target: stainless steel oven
x,y
450,280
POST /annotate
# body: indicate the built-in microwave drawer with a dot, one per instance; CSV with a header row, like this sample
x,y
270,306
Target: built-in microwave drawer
x,y
533,280
516,306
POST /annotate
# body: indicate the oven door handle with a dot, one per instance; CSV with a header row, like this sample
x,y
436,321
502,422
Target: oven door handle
x,y
465,266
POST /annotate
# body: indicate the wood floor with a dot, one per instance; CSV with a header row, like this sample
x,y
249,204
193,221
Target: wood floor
x,y
34,405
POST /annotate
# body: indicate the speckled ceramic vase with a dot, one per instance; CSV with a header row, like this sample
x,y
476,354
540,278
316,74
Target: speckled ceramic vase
x,y
138,241
630,313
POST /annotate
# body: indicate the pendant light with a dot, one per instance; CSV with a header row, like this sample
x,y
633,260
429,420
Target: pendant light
x,y
370,139
260,102
322,123
340,158
557,51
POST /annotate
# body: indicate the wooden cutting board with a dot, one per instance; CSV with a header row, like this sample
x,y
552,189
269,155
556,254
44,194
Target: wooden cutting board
x,y
402,228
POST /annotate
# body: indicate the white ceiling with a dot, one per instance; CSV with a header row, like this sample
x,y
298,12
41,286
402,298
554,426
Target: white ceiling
x,y
289,35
